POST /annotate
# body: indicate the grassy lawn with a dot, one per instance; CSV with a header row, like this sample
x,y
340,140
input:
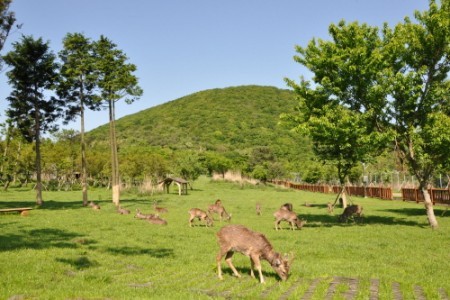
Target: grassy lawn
x,y
66,251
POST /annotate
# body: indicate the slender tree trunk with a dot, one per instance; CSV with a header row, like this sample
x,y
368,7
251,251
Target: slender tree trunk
x,y
84,186
39,200
114,159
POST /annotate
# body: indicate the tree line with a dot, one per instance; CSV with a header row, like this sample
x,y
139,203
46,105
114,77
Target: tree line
x,y
48,87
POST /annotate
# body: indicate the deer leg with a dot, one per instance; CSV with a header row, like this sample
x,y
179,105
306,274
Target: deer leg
x,y
276,224
252,267
219,265
230,264
257,263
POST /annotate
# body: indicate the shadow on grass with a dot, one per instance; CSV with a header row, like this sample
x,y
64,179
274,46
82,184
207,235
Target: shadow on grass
x,y
38,239
245,271
157,253
418,211
59,205
327,220
79,263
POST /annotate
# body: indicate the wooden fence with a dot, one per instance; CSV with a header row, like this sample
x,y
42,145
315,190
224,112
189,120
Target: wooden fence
x,y
408,194
437,195
371,191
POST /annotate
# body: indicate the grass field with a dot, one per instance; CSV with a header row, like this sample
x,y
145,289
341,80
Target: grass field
x,y
65,251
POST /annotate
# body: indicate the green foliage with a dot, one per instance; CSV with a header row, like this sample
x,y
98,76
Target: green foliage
x,y
33,74
7,20
230,122
65,251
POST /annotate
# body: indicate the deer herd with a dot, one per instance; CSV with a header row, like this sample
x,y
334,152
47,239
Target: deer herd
x,y
238,238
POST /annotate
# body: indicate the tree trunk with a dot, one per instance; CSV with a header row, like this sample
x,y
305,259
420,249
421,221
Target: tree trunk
x,y
83,159
39,200
429,208
114,159
342,197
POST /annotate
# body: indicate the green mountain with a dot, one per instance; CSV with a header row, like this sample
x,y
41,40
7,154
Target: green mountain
x,y
221,120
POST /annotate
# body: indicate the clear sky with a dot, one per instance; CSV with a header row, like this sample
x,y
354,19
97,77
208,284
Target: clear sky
x,y
184,46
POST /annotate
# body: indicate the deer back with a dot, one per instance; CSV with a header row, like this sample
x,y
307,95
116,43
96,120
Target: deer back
x,y
157,220
243,240
283,214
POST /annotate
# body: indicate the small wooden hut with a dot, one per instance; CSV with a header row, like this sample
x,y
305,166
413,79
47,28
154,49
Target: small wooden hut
x,y
180,182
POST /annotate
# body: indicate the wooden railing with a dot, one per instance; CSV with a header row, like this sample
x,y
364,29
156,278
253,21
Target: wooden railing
x,y
370,191
437,195
408,194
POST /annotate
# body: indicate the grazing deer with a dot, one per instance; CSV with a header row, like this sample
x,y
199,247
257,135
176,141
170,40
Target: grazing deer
x,y
286,206
156,220
349,211
201,215
159,210
220,210
123,211
237,238
140,215
288,216
94,206
258,209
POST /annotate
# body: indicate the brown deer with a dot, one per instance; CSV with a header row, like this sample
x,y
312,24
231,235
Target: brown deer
x,y
159,210
287,206
349,211
156,220
140,215
201,215
94,206
288,216
220,210
123,211
258,209
330,207
237,238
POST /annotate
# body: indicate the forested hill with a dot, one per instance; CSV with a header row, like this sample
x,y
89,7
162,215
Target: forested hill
x,y
234,118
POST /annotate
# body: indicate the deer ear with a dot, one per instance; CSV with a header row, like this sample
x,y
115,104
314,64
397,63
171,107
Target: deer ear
x,y
277,262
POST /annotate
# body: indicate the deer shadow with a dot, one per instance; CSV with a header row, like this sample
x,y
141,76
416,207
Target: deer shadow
x,y
245,271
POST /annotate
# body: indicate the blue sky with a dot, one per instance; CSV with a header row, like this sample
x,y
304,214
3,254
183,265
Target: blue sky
x,y
184,46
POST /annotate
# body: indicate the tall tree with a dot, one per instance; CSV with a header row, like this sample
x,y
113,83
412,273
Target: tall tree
x,y
115,81
7,20
77,88
34,71
393,84
342,110
418,56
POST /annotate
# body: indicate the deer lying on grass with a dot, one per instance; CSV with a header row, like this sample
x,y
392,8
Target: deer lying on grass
x,y
94,206
237,238
201,215
140,215
156,220
123,211
288,216
220,210
159,210
349,211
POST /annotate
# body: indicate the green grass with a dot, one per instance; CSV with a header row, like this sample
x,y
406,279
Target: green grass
x,y
66,251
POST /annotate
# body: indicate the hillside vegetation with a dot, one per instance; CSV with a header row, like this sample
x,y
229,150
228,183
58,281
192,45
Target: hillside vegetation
x,y
234,119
